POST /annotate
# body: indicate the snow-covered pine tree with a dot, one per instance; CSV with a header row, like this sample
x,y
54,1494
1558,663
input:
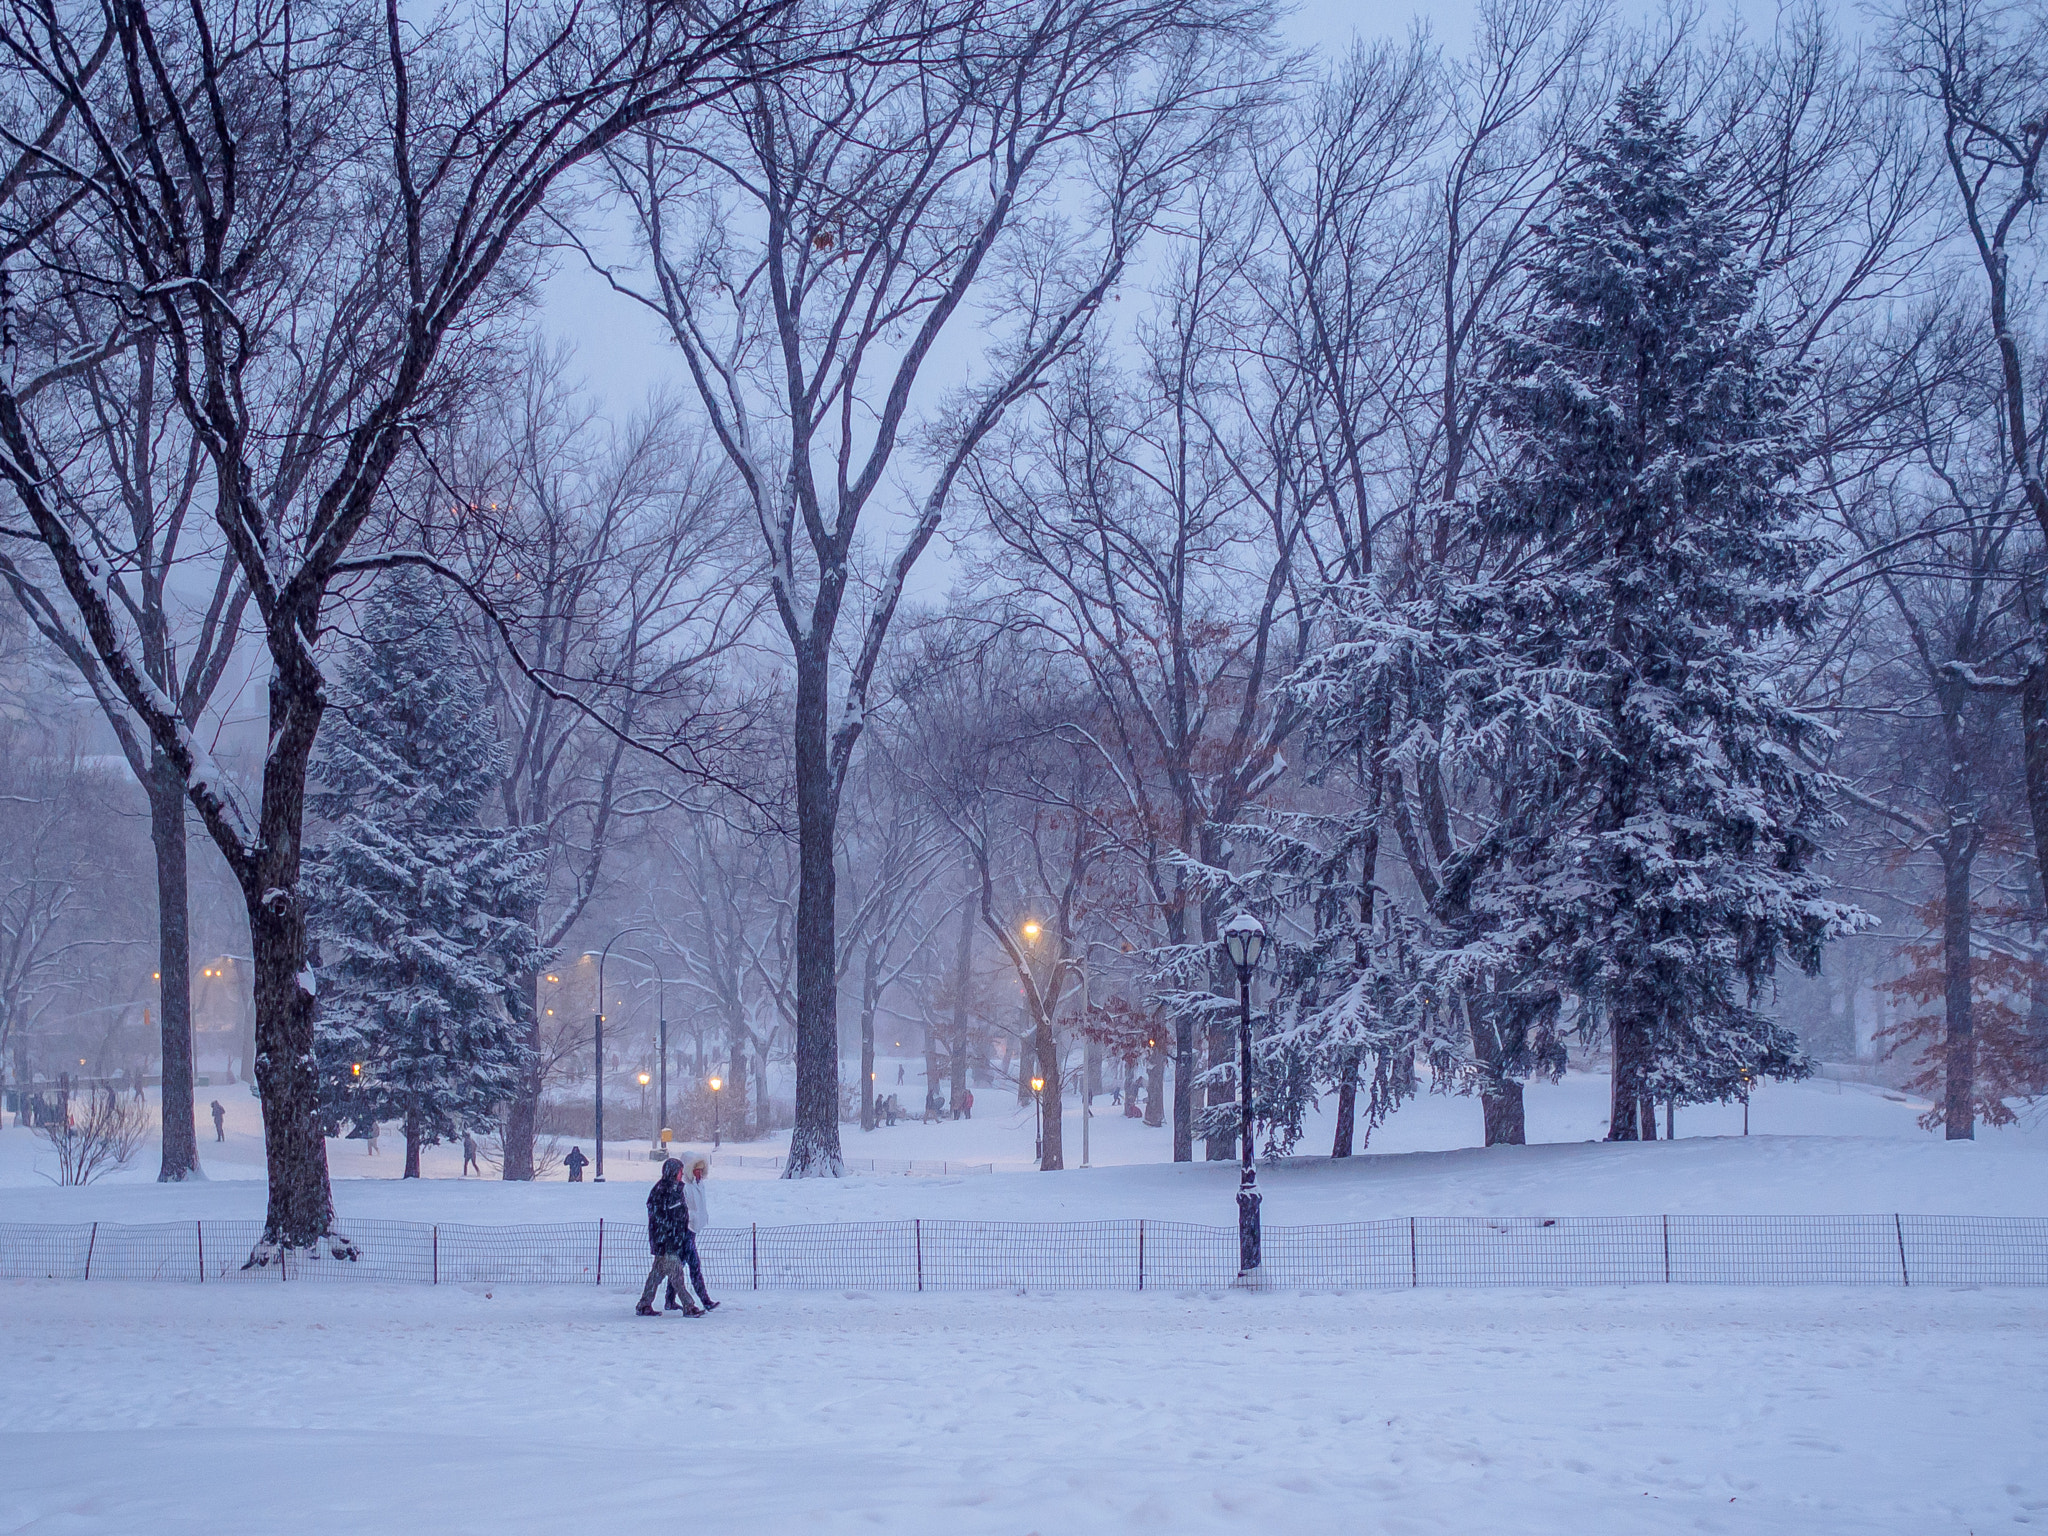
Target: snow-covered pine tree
x,y
415,899
1652,464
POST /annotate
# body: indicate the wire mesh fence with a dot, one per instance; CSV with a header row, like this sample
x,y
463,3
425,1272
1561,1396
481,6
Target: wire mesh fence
x,y
1409,1252
918,1166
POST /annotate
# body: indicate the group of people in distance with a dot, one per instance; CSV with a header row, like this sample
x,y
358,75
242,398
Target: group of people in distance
x,y
676,1212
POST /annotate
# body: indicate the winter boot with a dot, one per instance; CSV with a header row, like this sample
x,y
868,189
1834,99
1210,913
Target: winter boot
x,y
643,1310
710,1305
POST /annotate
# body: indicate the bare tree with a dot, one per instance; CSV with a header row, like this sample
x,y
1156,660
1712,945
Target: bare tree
x,y
235,181
814,255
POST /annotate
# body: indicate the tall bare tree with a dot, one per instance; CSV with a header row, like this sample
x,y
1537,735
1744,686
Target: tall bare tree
x,y
235,181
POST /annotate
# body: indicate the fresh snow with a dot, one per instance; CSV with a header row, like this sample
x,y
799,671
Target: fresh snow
x,y
510,1411
223,1410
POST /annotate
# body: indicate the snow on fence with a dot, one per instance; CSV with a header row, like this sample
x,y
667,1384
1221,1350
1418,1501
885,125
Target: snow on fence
x,y
1434,1251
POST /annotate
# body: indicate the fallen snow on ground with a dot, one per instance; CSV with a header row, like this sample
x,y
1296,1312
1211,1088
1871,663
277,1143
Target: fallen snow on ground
x,y
230,1409
1818,1148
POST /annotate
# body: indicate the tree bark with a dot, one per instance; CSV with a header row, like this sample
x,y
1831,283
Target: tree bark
x,y
1347,1105
1183,1089
1221,1147
174,968
517,1152
963,975
867,1055
300,1208
1501,1105
814,1141
1959,1086
412,1145
1155,1089
1046,1052
736,1082
1625,1077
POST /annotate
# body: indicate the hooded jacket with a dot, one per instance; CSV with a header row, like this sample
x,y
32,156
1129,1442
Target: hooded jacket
x,y
668,1218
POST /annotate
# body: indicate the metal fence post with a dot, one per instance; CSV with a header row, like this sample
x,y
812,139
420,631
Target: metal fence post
x,y
437,1255
1899,1231
600,1250
199,1227
92,1241
757,1254
1141,1253
918,1231
1414,1268
1667,1250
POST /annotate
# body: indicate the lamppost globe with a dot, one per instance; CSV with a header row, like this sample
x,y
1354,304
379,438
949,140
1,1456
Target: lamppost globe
x,y
1244,936
1031,931
1038,1085
717,1083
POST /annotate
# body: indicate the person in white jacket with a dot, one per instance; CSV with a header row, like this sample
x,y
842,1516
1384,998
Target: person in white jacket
x,y
699,1208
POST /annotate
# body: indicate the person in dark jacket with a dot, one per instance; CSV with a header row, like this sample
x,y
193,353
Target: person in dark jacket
x,y
575,1162
220,1120
668,1237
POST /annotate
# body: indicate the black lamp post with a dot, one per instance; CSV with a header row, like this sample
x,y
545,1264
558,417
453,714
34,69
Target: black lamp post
x,y
1244,936
1038,1118
597,1037
716,1084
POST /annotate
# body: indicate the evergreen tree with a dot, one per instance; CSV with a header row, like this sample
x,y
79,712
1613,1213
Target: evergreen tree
x,y
415,899
1652,462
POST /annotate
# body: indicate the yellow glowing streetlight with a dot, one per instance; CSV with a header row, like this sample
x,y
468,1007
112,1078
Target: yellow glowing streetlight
x,y
716,1084
645,1079
356,1070
1032,931
1038,1119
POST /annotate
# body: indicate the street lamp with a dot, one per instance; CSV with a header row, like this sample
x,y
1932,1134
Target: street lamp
x,y
716,1084
1244,936
1038,1118
597,1038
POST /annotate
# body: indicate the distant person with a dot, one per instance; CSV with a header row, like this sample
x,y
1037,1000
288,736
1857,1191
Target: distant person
x,y
668,1238
469,1156
698,1209
370,1140
889,1110
576,1162
967,1105
220,1121
140,1096
1116,1094
899,1074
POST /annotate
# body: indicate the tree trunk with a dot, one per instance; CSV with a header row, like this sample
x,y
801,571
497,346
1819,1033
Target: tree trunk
x,y
867,1059
1047,1054
1646,1117
1501,1106
174,968
1183,1089
300,1208
814,1141
1347,1105
1959,1088
963,977
1155,1089
1221,1146
736,1084
520,1114
412,1145
1625,1076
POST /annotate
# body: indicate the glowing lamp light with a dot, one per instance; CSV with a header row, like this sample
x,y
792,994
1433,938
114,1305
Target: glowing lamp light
x,y
1038,1085
717,1083
645,1079
1032,931
554,978
356,1070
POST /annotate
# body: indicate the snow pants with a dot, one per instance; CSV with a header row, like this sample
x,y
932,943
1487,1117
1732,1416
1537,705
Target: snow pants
x,y
696,1268
666,1266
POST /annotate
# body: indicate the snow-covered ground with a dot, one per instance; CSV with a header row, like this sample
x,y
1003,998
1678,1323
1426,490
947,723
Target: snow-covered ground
x,y
234,1409
514,1412
1815,1147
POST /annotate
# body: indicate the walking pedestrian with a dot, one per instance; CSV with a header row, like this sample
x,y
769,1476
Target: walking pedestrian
x,y
576,1162
370,1141
967,1105
668,1237
469,1156
220,1121
698,1208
